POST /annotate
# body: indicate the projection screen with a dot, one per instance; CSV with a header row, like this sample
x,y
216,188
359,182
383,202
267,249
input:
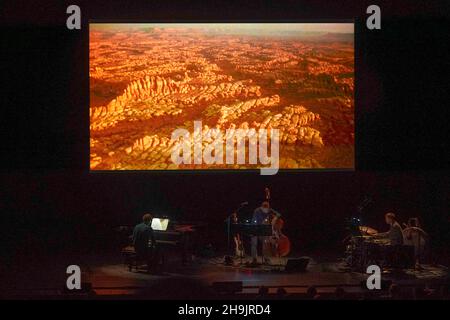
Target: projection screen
x,y
170,96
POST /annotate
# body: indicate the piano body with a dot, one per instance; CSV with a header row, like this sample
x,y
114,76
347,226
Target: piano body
x,y
178,237
175,243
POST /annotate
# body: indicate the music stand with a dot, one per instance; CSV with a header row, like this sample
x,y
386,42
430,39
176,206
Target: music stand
x,y
160,224
257,230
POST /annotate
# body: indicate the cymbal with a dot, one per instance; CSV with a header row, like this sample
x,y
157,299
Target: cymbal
x,y
368,230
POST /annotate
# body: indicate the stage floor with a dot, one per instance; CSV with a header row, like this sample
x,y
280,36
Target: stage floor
x,y
213,270
110,277
325,275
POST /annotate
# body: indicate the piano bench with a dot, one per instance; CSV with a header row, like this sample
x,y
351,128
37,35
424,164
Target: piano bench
x,y
130,258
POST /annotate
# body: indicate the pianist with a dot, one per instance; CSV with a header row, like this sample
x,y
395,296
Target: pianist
x,y
144,241
395,234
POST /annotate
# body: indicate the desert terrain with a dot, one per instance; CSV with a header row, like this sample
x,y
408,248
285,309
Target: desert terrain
x,y
146,81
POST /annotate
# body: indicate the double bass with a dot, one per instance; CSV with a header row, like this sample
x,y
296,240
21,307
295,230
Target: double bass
x,y
278,245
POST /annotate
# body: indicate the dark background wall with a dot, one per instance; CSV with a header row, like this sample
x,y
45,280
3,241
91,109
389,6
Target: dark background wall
x,y
72,212
50,202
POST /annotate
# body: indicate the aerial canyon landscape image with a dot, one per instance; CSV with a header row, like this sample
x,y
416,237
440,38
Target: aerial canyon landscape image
x,y
147,80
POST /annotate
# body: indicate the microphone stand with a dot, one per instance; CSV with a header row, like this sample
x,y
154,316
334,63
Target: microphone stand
x,y
228,221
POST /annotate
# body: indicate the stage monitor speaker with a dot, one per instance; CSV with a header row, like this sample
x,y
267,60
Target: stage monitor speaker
x,y
227,286
296,265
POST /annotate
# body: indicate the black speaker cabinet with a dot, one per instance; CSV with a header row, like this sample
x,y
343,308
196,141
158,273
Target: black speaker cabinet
x,y
297,265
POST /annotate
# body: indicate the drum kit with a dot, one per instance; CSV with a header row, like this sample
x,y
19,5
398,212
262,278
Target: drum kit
x,y
367,249
368,231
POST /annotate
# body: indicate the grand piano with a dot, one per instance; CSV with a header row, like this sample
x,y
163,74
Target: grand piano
x,y
176,243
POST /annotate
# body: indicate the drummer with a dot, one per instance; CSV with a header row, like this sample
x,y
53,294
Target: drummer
x,y
395,233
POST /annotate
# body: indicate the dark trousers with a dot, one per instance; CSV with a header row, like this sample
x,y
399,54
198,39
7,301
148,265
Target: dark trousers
x,y
148,255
